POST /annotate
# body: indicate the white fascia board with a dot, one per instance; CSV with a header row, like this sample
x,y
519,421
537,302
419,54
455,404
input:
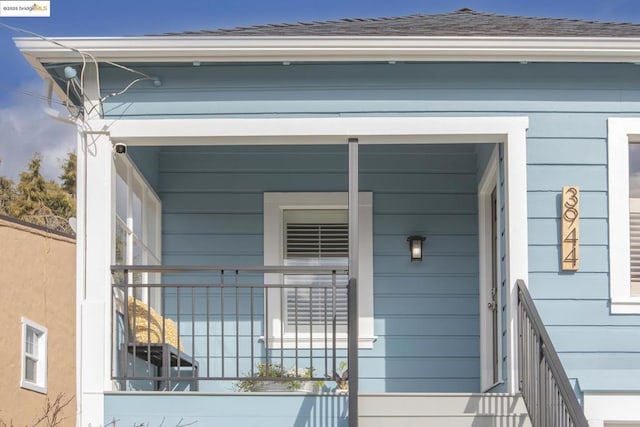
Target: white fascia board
x,y
322,49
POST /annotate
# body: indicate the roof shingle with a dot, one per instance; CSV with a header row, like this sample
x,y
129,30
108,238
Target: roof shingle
x,y
460,23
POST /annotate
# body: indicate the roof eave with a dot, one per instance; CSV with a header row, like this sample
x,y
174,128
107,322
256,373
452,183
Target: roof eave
x,y
338,49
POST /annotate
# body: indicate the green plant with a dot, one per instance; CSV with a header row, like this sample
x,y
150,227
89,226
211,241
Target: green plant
x,y
276,372
264,372
308,373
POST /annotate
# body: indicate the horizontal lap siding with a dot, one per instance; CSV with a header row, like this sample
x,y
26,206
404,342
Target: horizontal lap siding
x,y
426,318
597,348
330,89
567,105
220,410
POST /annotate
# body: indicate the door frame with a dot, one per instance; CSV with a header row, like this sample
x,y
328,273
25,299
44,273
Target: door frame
x,y
489,181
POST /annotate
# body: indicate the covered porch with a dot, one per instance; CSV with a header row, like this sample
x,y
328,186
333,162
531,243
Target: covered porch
x,y
423,329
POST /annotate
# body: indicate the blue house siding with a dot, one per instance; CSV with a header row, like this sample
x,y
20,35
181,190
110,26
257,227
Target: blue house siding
x,y
241,410
426,315
598,348
437,88
567,105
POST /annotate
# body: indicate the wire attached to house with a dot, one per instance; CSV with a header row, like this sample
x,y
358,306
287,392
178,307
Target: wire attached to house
x,y
28,93
80,86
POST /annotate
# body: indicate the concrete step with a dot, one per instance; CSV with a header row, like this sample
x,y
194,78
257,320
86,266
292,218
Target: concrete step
x,y
442,409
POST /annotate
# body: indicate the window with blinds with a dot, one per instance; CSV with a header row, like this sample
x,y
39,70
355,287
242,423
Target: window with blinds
x,y
634,217
634,234
315,237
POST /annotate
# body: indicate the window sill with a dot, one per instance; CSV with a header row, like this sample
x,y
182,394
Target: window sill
x,y
628,305
277,343
33,387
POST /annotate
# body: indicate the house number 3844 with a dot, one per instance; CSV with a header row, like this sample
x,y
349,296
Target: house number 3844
x,y
570,227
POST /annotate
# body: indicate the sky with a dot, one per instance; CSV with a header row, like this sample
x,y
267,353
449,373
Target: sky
x,y
25,129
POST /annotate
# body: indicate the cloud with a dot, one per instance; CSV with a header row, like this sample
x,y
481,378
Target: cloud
x,y
25,129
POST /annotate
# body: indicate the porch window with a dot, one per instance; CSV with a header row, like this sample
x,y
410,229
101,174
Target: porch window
x,y
34,356
311,229
137,226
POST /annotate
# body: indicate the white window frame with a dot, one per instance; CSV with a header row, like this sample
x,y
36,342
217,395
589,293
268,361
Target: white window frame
x,y
612,409
274,206
40,385
621,132
151,254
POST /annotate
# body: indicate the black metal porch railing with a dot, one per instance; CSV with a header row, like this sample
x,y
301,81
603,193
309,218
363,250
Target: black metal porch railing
x,y
545,387
176,328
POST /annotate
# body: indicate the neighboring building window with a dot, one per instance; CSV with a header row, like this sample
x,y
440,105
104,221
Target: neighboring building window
x,y
137,228
312,229
34,356
624,214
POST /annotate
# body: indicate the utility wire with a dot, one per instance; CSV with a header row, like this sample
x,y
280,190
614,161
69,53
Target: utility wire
x,y
84,56
32,94
57,43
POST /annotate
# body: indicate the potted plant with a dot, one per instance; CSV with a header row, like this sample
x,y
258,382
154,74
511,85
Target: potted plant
x,y
308,385
266,370
342,378
264,380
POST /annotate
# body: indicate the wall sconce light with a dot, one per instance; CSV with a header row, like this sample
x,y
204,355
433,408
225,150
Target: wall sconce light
x,y
415,247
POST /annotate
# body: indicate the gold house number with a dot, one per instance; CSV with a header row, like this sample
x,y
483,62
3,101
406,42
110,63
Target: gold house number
x,y
570,227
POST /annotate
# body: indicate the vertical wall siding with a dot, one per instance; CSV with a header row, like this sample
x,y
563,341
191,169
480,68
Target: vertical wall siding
x,y
426,315
567,105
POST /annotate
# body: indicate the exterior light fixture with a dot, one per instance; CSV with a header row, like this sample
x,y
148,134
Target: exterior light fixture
x,y
415,247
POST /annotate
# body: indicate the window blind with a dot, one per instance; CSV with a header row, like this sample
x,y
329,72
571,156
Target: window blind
x,y
315,237
634,233
317,241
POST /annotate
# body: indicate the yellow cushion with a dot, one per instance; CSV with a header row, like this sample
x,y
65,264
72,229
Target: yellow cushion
x,y
148,325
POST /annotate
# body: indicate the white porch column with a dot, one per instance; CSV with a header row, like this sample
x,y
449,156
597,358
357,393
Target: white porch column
x,y
95,218
516,239
94,243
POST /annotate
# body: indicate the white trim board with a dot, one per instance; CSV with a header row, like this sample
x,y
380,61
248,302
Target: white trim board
x,y
488,182
274,205
299,131
621,132
605,409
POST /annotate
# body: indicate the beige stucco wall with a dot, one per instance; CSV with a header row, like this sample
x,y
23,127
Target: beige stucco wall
x,y
37,281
